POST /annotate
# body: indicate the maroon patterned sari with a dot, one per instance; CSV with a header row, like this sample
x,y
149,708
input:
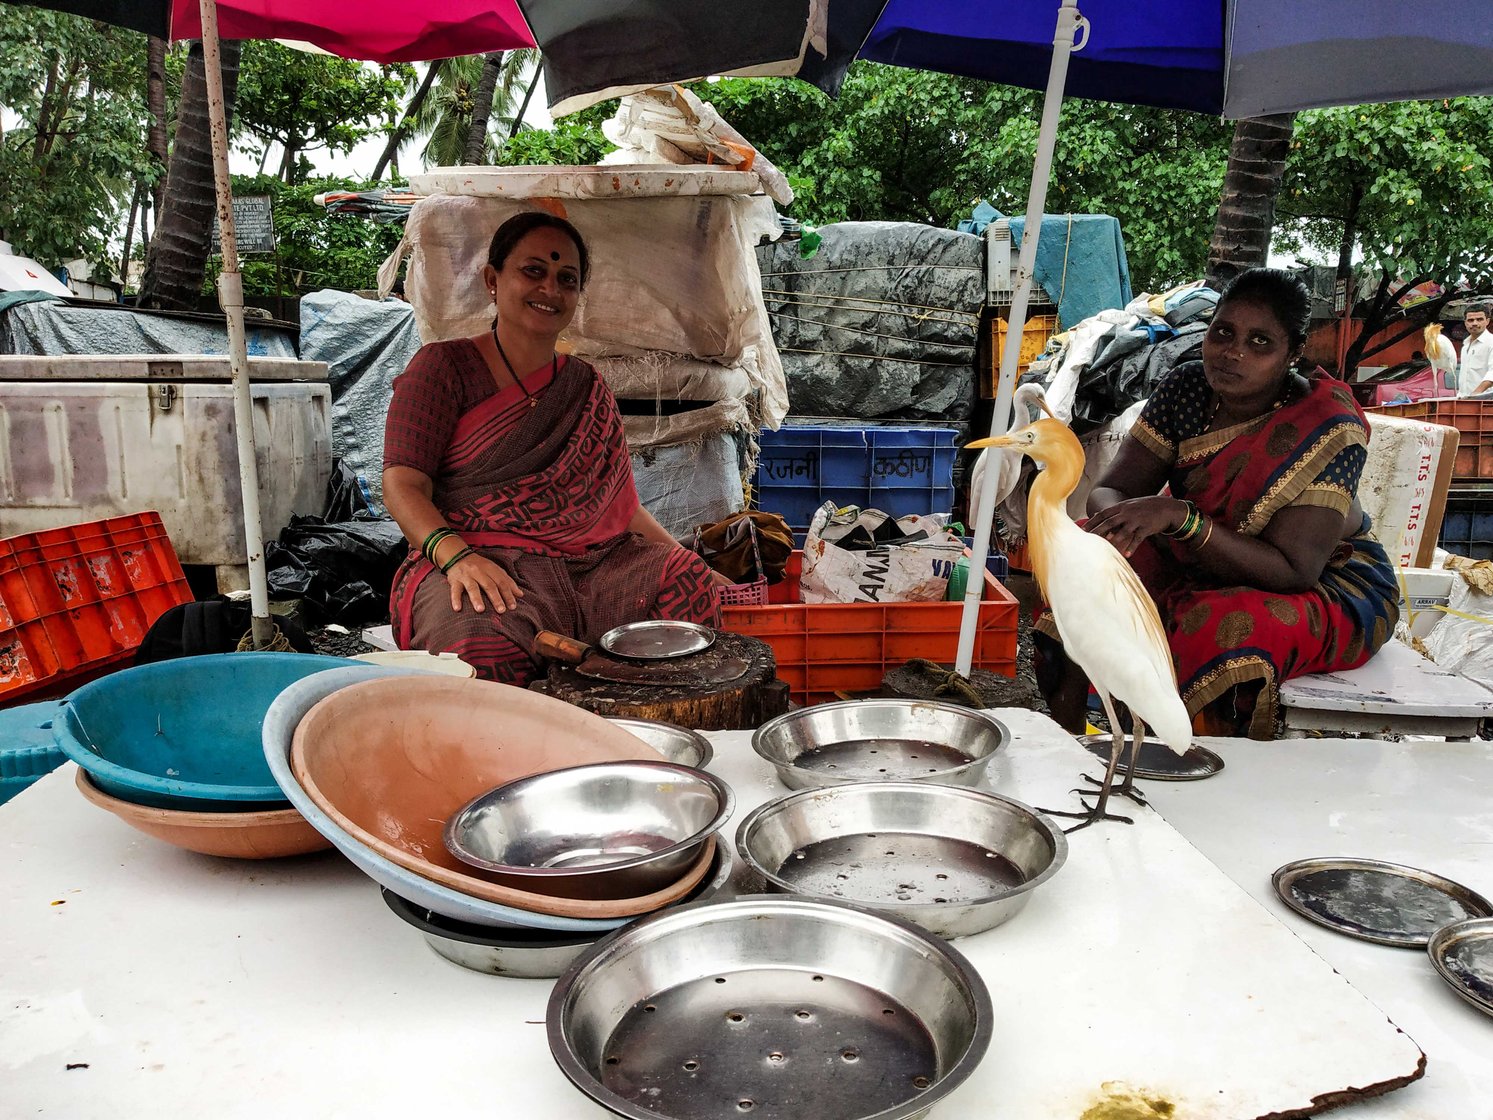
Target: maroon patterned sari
x,y
538,480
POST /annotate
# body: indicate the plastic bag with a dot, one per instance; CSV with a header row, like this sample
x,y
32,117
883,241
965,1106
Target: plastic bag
x,y
866,556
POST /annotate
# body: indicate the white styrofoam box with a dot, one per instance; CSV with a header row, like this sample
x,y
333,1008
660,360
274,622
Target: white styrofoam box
x,y
74,451
1424,590
1404,484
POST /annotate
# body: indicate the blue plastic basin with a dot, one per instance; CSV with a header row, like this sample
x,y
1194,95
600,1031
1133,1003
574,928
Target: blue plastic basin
x,y
184,734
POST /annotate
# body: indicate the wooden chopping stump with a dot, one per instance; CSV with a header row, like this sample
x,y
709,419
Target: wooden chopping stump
x,y
684,695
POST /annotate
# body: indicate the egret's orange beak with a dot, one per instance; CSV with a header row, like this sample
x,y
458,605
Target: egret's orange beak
x,y
989,441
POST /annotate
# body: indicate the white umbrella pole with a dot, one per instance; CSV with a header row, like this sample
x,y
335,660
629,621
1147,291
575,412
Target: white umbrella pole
x,y
231,299
1069,21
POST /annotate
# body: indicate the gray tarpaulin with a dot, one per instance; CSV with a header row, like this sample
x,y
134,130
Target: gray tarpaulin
x,y
366,345
879,322
688,467
65,328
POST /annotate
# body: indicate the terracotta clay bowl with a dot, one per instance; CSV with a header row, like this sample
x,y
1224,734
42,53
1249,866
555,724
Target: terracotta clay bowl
x,y
390,760
257,835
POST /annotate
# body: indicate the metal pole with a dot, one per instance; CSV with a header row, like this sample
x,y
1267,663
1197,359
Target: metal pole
x,y
231,300
1069,22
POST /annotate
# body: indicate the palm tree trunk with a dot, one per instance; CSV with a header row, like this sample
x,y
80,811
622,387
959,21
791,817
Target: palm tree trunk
x,y
177,259
155,103
129,234
1246,206
518,118
492,67
401,133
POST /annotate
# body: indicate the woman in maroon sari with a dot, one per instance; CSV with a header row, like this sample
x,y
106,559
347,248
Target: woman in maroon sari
x,y
506,466
1260,559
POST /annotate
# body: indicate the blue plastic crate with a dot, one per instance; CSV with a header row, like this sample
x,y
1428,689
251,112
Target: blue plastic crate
x,y
27,751
899,469
1467,528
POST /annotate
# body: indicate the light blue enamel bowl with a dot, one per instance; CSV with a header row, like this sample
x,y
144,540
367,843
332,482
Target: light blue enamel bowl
x,y
183,734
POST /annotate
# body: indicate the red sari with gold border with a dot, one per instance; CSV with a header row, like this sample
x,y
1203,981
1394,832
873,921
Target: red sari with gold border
x,y
1309,451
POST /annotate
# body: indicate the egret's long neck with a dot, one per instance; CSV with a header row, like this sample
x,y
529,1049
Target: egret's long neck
x,y
1047,507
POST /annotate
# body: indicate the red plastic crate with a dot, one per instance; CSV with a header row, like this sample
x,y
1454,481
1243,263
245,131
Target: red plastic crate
x,y
825,648
1472,418
77,599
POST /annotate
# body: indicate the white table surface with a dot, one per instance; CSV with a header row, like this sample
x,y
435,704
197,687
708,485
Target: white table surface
x,y
181,985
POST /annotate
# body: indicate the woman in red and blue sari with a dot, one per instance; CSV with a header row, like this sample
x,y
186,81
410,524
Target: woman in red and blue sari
x,y
1235,498
506,466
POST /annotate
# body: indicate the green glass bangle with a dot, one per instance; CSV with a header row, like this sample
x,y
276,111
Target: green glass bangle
x,y
1189,522
451,563
433,541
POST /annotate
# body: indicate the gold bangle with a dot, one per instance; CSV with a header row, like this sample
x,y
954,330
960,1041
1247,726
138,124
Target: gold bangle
x,y
451,535
1206,535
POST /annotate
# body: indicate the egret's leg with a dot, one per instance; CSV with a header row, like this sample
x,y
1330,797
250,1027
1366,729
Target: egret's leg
x,y
1096,812
1127,788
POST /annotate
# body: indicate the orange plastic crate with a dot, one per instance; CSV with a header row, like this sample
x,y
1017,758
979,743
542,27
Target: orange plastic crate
x,y
826,648
77,599
1473,419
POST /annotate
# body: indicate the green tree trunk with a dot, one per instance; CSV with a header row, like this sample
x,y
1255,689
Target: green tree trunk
x,y
1246,206
177,260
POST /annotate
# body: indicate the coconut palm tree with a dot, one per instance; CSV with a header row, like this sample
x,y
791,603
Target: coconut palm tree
x,y
458,119
177,259
1246,206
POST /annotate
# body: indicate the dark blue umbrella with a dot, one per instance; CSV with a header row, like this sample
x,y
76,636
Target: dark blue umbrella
x,y
1235,58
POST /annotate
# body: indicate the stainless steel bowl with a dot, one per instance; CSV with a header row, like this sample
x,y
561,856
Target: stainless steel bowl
x,y
677,744
955,861
880,740
607,830
771,1006
534,954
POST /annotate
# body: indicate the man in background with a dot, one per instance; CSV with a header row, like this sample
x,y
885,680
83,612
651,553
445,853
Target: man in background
x,y
1476,374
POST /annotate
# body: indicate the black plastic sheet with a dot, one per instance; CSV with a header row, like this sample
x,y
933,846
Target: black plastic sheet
x,y
341,565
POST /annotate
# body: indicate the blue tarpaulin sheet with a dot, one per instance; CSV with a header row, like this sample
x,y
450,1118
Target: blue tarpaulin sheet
x,y
1080,260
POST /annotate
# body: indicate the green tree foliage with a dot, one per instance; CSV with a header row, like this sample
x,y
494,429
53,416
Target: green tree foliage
x,y
1409,184
575,140
314,249
304,102
71,163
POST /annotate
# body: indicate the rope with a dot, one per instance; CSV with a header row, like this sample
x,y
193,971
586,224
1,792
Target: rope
x,y
783,294
948,683
1068,244
880,268
278,644
858,330
868,357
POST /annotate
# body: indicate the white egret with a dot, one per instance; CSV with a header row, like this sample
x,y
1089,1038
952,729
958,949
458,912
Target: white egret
x,y
1105,616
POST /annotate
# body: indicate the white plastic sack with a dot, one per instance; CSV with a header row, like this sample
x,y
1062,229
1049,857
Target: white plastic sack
x,y
669,124
1463,641
897,573
672,274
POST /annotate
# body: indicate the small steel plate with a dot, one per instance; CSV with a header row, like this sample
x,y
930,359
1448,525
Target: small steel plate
x,y
1463,953
1159,761
657,639
1387,903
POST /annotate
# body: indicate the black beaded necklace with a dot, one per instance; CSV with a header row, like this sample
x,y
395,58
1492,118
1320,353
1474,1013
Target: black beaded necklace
x,y
533,398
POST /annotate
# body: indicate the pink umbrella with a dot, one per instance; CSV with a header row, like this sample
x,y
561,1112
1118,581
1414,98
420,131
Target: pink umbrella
x,y
376,30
